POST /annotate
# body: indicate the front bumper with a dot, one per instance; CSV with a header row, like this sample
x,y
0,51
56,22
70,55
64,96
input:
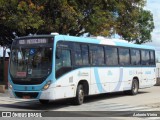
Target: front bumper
x,y
46,95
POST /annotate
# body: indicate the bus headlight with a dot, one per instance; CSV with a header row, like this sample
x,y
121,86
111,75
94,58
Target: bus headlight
x,y
46,86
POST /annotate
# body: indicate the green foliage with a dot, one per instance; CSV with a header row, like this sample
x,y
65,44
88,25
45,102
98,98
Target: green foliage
x,y
21,16
134,23
76,17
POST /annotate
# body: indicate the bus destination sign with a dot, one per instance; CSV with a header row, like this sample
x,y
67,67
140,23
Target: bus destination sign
x,y
33,41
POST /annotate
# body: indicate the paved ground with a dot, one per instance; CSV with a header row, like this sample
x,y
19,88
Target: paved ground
x,y
147,100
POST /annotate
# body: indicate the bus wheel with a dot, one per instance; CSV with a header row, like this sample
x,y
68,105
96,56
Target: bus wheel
x,y
79,95
44,101
135,87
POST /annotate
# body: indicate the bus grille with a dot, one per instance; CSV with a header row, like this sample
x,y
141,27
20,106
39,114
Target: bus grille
x,y
30,95
32,81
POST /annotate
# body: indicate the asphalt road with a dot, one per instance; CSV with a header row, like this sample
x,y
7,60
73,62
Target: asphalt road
x,y
114,106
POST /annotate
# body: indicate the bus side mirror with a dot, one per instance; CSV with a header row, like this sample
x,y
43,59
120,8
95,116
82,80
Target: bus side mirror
x,y
58,53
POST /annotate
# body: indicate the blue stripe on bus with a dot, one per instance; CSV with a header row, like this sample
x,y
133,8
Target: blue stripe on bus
x,y
120,80
82,39
98,82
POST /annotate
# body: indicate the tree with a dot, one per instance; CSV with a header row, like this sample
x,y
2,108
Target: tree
x,y
20,16
76,17
134,23
146,26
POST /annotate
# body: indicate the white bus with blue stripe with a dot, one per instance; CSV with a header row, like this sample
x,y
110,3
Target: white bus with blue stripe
x,y
53,67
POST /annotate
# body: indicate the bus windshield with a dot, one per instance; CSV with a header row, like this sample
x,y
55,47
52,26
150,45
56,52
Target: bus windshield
x,y
34,62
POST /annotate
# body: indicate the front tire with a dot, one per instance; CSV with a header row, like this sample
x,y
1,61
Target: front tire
x,y
79,99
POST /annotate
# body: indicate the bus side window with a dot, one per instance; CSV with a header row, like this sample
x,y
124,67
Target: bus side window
x,y
78,54
97,55
135,57
81,54
63,58
111,56
66,56
85,54
152,58
145,57
63,62
124,56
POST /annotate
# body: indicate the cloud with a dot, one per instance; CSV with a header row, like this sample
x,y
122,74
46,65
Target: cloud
x,y
153,6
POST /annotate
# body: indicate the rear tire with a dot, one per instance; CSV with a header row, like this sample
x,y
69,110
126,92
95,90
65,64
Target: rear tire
x,y
79,99
44,101
134,88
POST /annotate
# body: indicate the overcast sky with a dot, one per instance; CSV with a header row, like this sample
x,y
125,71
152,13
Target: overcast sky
x,y
154,7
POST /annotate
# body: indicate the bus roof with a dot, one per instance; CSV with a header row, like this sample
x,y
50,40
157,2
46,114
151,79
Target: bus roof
x,y
106,41
95,40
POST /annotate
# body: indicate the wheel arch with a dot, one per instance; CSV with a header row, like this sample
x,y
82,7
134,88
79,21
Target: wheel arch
x,y
85,85
136,78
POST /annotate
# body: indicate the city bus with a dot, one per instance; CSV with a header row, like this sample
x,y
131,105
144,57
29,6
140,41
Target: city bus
x,y
54,67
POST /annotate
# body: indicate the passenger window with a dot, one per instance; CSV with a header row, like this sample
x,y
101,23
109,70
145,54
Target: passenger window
x,y
124,57
111,56
78,55
135,57
85,54
152,58
97,53
145,57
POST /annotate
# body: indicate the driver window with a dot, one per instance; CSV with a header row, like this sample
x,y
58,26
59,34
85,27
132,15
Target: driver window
x,y
63,59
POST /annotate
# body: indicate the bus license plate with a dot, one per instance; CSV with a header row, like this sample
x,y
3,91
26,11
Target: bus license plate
x,y
26,97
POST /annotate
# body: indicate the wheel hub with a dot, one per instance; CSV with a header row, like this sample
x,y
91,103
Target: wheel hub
x,y
81,95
